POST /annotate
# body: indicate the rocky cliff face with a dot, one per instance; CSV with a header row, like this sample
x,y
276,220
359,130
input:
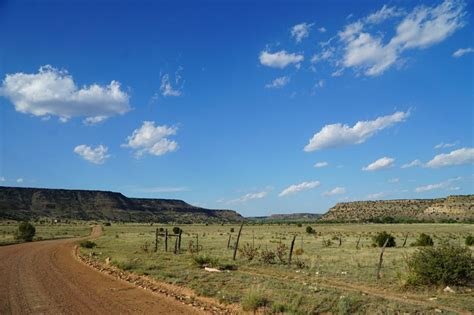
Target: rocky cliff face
x,y
459,208
31,203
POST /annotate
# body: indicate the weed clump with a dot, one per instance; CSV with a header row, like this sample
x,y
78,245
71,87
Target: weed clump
x,y
26,232
206,261
423,240
382,237
249,252
444,265
87,244
267,256
469,240
254,300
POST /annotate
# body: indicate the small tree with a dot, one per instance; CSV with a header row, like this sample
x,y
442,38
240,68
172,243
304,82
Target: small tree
x,y
381,237
176,230
26,232
232,230
444,265
469,240
310,230
424,240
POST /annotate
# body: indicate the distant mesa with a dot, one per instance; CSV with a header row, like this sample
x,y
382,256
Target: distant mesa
x,y
451,208
36,203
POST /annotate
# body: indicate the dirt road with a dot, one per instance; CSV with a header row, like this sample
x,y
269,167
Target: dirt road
x,y
45,278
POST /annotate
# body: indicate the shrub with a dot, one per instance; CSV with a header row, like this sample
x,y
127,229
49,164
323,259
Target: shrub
x,y
380,238
253,300
310,230
469,240
267,256
249,251
424,240
88,244
327,243
444,265
176,230
206,261
281,252
26,232
299,225
232,230
107,224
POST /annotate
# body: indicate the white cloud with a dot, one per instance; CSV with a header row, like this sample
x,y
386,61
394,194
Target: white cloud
x,y
19,180
278,83
160,189
321,164
335,191
394,180
443,185
280,59
167,88
462,51
443,145
326,54
322,30
319,84
412,164
421,28
97,155
376,195
250,196
380,164
301,31
457,157
2,179
293,189
53,92
152,140
339,135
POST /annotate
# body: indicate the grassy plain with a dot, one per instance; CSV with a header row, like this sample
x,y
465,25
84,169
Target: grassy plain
x,y
44,231
337,279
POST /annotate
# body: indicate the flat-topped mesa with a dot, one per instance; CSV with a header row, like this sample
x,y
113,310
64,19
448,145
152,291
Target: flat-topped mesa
x,y
34,203
458,208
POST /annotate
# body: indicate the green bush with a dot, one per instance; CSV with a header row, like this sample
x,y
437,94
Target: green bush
x,y
253,300
424,240
249,252
267,256
176,230
88,244
232,230
469,240
26,232
381,237
444,265
310,230
206,261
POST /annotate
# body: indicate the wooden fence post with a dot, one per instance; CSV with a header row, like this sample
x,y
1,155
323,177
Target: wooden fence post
x,y
166,240
179,241
156,240
197,243
228,241
340,240
381,258
405,241
291,249
175,245
237,242
358,241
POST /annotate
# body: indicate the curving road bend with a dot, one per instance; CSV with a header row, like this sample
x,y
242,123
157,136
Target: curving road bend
x,y
45,278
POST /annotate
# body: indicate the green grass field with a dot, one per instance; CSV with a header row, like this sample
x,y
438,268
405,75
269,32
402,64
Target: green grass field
x,y
321,279
44,231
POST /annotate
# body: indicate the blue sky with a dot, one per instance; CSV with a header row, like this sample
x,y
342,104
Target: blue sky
x,y
264,107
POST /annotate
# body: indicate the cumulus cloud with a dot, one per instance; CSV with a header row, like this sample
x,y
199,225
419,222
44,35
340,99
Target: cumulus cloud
x,y
321,164
380,164
335,191
443,145
339,135
19,180
300,31
278,83
443,185
412,164
462,51
152,140
293,189
167,89
250,196
280,59
322,29
462,156
97,155
423,27
53,92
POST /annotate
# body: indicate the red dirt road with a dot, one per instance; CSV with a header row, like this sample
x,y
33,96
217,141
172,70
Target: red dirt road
x,y
45,278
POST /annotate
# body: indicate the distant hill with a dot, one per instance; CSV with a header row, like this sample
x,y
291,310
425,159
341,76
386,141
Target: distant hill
x,y
457,208
290,217
32,203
